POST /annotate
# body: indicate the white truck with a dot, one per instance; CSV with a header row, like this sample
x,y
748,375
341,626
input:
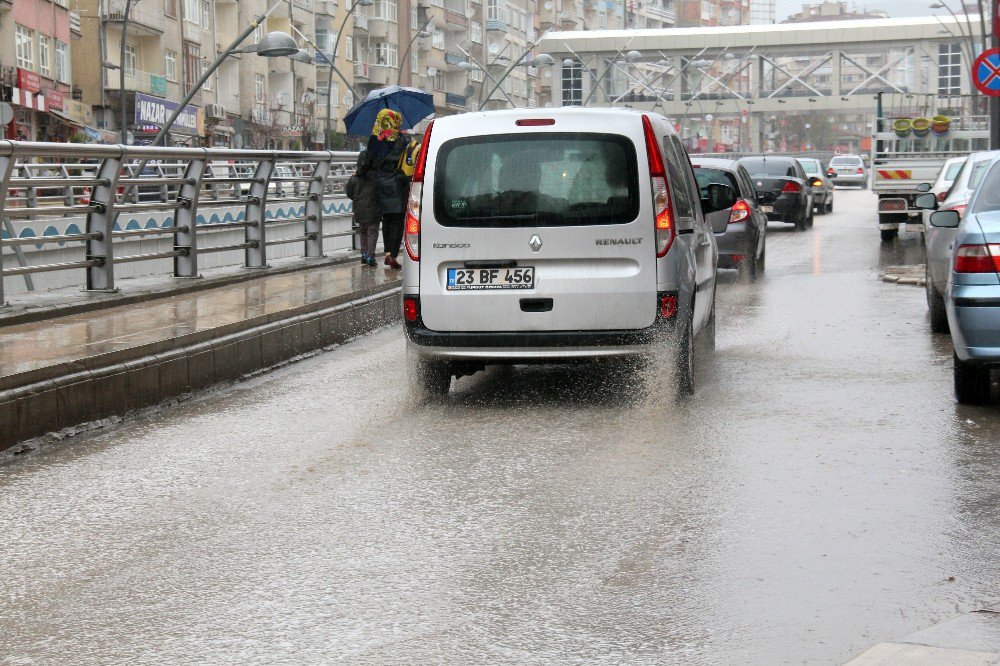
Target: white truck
x,y
902,160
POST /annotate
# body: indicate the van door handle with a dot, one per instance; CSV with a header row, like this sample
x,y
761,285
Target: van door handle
x,y
536,305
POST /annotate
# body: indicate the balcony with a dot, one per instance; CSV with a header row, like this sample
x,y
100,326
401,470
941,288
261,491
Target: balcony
x,y
379,28
453,58
360,23
141,21
74,24
451,99
496,24
138,81
362,71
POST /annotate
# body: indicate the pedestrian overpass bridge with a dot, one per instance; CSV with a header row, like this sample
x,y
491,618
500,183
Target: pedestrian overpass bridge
x,y
745,82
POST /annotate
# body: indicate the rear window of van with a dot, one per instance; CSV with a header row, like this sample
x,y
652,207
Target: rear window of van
x,y
536,179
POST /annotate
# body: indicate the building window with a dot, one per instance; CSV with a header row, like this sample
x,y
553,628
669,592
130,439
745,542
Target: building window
x,y
259,88
385,9
414,63
206,12
496,10
170,8
62,62
192,11
385,54
476,32
949,69
437,39
336,93
349,48
44,57
208,82
476,75
572,85
130,58
24,47
171,59
192,65
413,17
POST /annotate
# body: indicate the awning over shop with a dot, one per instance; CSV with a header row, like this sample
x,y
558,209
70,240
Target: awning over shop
x,y
21,97
62,117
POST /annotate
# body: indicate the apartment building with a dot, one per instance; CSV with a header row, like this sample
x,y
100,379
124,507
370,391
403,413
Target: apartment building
x,y
37,44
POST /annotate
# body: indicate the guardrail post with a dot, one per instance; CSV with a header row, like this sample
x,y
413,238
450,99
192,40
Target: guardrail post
x,y
314,209
100,221
256,254
6,167
186,265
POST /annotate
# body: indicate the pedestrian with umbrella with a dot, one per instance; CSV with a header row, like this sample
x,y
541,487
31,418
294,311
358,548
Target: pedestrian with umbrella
x,y
383,115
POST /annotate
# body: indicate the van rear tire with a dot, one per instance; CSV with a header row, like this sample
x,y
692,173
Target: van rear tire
x,y
685,358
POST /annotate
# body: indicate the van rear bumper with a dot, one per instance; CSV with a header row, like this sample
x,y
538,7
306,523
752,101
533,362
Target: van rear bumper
x,y
534,345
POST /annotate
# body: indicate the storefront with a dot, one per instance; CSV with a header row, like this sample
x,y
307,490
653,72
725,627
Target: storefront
x,y
152,113
29,104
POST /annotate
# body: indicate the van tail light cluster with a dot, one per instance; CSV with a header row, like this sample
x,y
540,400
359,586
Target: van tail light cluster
x,y
978,258
667,302
791,187
411,309
739,212
411,223
663,220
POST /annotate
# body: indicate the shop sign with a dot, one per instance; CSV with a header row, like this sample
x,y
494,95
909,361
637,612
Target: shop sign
x,y
151,110
28,81
158,85
54,99
78,111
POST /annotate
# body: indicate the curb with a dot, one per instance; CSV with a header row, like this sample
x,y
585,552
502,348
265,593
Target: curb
x,y
114,384
972,639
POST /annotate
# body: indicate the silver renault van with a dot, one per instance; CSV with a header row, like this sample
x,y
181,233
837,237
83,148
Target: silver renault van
x,y
539,235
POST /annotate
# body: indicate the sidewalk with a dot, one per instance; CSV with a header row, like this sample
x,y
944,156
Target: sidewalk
x,y
61,371
972,639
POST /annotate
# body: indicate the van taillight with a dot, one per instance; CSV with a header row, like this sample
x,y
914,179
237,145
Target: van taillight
x,y
411,223
791,187
978,258
663,221
739,212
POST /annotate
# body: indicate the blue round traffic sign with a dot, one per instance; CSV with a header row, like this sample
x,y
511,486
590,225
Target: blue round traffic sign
x,y
986,72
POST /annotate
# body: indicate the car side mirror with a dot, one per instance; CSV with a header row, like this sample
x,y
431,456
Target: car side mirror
x,y
924,187
719,198
926,201
945,219
816,182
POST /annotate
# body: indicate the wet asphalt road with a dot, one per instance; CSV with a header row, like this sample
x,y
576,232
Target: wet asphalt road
x,y
821,492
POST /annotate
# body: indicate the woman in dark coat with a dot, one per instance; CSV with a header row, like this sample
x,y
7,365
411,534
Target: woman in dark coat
x,y
386,146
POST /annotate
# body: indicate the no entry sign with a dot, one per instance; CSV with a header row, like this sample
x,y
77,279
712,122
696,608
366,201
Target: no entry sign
x,y
986,72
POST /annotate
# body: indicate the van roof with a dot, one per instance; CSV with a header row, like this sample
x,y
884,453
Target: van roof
x,y
479,120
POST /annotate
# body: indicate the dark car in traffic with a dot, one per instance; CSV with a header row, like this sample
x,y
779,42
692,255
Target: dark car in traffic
x,y
740,231
785,189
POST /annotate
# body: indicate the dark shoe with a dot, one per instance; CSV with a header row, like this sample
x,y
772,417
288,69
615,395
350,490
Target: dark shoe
x,y
370,261
364,258
391,262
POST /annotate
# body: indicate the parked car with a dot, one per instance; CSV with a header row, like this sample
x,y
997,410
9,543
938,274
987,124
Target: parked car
x,y
540,235
822,185
972,297
945,177
848,170
787,195
740,231
940,240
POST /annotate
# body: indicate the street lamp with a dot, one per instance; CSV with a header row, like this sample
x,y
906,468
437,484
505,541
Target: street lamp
x,y
329,79
426,31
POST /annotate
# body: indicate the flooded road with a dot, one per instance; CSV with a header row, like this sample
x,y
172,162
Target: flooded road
x,y
820,493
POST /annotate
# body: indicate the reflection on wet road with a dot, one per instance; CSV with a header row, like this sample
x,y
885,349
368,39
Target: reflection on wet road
x,y
820,493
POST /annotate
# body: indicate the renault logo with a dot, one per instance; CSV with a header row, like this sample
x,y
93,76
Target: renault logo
x,y
535,243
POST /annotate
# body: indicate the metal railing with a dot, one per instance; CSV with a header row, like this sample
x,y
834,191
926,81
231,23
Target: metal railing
x,y
100,182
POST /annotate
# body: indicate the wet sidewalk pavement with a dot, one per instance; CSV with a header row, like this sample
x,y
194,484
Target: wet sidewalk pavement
x,y
285,314
972,639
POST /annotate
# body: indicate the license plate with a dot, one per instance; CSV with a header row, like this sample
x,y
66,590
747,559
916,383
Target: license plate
x,y
491,278
767,209
845,171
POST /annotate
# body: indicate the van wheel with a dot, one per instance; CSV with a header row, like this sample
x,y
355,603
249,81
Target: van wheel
x,y
709,332
685,358
935,304
428,378
972,383
760,260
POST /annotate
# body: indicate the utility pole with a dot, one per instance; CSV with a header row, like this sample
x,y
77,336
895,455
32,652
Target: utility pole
x,y
995,101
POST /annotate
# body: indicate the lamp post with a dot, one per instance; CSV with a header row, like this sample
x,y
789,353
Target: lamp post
x,y
121,70
329,78
423,32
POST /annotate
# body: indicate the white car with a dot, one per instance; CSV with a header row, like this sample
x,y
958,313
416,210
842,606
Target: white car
x,y
946,177
539,235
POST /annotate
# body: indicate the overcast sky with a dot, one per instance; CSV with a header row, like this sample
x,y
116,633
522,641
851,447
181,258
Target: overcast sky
x,y
896,8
